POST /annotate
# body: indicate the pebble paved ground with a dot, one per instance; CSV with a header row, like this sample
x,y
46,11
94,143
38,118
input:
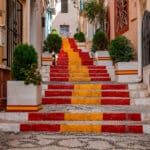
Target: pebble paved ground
x,y
57,141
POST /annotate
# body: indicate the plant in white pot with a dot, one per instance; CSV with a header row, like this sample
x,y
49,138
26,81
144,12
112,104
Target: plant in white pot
x,y
24,91
100,49
80,38
122,52
52,45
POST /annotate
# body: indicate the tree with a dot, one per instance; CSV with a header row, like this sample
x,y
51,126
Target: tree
x,y
95,12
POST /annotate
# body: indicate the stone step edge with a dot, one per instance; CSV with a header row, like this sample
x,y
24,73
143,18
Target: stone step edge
x,y
17,127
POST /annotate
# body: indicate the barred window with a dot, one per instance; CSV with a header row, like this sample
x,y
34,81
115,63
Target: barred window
x,y
64,6
121,16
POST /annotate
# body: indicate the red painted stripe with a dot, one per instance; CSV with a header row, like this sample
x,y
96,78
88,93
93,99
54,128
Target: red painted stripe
x,y
100,79
25,127
114,116
115,94
46,127
134,116
97,71
45,116
58,93
99,75
52,75
59,79
114,128
36,116
114,86
59,67
60,86
59,71
56,101
115,101
135,128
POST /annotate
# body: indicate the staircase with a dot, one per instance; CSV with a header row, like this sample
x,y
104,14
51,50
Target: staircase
x,y
80,97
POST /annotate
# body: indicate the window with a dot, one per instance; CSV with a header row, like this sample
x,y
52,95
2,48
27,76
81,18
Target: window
x,y
64,6
121,16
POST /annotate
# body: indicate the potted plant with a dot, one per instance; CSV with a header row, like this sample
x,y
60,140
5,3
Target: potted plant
x,y
100,49
52,44
122,52
24,93
80,38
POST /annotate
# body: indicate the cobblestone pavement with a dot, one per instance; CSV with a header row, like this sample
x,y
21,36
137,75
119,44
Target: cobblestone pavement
x,y
58,141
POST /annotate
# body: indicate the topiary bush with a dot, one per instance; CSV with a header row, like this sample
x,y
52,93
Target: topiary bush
x,y
53,43
121,49
100,41
25,64
79,36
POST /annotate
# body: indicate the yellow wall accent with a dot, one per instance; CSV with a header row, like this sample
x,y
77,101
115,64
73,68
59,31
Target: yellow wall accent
x,y
84,116
126,72
23,108
80,128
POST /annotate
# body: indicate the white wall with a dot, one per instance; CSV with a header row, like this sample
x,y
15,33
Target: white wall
x,y
70,18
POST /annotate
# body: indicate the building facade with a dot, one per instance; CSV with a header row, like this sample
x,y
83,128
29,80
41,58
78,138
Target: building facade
x,y
66,19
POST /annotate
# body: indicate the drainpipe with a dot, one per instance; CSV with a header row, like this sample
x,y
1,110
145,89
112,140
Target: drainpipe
x,y
28,21
139,41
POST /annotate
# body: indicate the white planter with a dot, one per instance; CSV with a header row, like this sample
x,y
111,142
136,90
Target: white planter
x,y
82,46
47,59
126,72
21,97
103,58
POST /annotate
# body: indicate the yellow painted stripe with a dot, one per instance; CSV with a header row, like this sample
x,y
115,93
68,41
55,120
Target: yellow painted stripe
x,y
85,90
80,128
84,116
103,58
93,101
87,87
75,64
23,108
126,72
46,59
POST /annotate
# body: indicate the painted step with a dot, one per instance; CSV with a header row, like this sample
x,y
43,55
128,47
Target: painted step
x,y
57,116
87,101
66,67
80,79
78,74
89,93
82,128
103,86
77,71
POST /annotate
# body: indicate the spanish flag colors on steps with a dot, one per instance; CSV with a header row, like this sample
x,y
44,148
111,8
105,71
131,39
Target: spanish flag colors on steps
x,y
72,85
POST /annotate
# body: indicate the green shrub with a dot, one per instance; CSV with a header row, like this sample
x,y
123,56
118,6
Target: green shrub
x,y
121,49
79,36
25,61
53,43
99,42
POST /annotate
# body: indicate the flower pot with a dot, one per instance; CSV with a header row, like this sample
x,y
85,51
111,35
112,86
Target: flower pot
x,y
102,58
126,72
82,46
21,97
47,59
